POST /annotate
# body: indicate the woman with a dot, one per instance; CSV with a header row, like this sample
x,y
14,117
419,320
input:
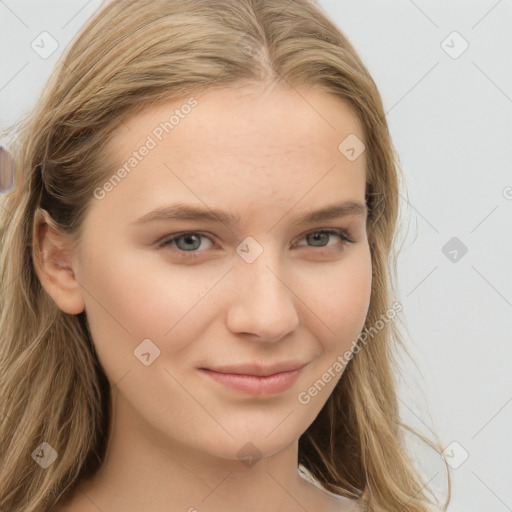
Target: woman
x,y
196,250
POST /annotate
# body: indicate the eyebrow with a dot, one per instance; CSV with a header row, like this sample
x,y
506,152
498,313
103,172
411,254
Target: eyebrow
x,y
182,211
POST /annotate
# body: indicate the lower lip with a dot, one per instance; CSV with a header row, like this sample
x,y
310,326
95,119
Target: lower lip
x,y
256,385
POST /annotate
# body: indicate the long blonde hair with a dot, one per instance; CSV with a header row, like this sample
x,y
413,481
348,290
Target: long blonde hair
x,y
130,54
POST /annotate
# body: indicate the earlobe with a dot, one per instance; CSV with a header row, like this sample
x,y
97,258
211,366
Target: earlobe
x,y
53,259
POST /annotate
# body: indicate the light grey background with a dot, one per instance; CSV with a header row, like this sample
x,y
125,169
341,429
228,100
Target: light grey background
x,y
451,122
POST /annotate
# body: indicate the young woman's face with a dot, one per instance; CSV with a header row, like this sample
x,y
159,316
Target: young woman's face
x,y
257,279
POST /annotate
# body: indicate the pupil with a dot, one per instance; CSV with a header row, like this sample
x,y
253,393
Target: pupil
x,y
319,237
190,239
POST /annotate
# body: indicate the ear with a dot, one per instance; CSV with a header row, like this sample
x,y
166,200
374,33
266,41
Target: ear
x,y
54,257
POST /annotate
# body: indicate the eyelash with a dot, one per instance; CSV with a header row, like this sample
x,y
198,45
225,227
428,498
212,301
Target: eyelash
x,y
166,243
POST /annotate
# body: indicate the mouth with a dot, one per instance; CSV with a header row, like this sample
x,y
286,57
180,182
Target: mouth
x,y
256,380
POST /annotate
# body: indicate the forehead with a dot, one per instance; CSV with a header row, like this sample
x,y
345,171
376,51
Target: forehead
x,y
246,146
255,121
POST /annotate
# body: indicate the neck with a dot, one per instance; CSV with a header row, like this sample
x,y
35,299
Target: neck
x,y
144,470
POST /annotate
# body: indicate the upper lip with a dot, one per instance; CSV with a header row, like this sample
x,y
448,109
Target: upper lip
x,y
258,370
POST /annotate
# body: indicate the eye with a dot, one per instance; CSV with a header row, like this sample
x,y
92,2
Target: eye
x,y
188,244
321,238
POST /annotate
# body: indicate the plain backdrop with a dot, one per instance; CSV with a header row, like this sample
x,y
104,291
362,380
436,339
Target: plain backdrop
x,y
444,69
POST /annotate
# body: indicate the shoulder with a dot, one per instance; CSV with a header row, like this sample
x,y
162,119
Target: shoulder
x,y
347,505
338,504
355,506
327,501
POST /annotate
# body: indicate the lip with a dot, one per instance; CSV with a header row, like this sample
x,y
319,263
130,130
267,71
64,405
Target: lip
x,y
258,370
257,380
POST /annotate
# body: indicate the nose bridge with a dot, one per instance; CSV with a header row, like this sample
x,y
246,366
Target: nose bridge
x,y
264,304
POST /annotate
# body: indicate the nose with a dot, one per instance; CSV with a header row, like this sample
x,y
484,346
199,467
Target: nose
x,y
263,305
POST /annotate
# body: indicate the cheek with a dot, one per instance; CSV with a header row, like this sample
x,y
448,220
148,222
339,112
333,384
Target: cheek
x,y
132,298
340,298
144,291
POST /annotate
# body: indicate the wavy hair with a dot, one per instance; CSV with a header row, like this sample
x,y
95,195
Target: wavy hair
x,y
129,55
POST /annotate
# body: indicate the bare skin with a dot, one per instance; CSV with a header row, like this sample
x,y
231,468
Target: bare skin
x,y
270,156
